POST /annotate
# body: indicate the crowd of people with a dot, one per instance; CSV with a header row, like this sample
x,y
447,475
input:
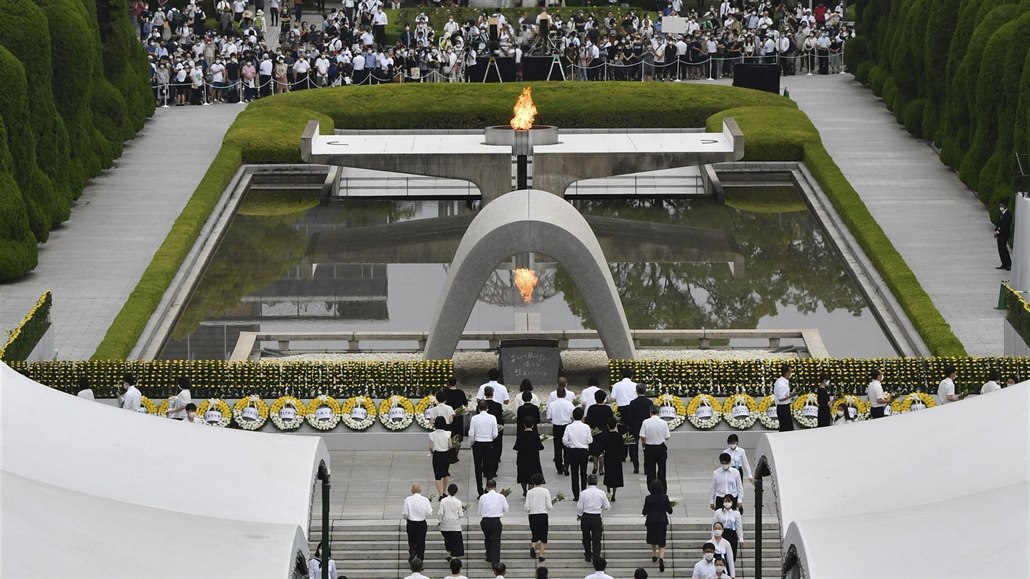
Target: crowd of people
x,y
586,430
242,53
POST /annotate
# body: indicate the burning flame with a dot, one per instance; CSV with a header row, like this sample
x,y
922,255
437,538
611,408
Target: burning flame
x,y
525,112
525,281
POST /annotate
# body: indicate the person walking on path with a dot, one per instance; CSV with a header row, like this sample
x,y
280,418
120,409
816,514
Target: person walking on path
x,y
592,501
500,393
559,412
783,396
415,511
600,564
492,507
416,569
723,548
738,457
725,481
458,400
528,409
440,447
497,410
822,398
653,433
482,431
451,513
597,417
657,508
1002,232
732,523
633,417
624,392
528,447
577,439
878,401
612,449
538,504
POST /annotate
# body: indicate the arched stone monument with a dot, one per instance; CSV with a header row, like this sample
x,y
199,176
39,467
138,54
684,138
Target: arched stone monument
x,y
529,221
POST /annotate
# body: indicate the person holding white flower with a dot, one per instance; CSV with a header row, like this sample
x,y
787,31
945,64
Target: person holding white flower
x,y
451,512
440,446
492,507
415,512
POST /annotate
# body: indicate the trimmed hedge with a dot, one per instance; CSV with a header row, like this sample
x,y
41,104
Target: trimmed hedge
x,y
269,131
29,332
964,63
60,64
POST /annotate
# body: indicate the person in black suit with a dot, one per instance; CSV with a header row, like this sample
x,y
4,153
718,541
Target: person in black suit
x,y
456,398
822,396
596,418
657,508
527,409
497,410
636,413
1002,233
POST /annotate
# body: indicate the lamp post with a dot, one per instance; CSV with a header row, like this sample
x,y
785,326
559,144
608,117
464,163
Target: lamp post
x,y
323,475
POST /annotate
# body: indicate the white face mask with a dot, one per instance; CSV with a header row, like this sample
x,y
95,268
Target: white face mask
x,y
709,556
192,415
727,505
720,570
725,467
733,446
717,532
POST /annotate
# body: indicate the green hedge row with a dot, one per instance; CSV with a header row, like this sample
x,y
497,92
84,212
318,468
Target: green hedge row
x,y
848,375
223,379
953,72
269,130
74,85
29,332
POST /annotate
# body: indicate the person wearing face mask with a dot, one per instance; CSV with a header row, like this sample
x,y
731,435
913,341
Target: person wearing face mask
x,y
738,457
726,481
822,397
191,414
731,521
705,568
720,569
723,547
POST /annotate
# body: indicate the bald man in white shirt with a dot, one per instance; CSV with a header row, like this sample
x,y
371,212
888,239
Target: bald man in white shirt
x,y
415,511
592,502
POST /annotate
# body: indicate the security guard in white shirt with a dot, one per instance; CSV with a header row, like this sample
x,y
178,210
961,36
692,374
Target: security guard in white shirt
x,y
783,395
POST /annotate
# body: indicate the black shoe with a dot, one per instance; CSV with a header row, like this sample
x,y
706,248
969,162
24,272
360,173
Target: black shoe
x,y
541,559
661,565
566,473
1000,267
636,471
532,552
1009,268
587,557
654,559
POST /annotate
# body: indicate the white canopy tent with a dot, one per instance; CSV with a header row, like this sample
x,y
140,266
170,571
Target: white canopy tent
x,y
177,475
936,493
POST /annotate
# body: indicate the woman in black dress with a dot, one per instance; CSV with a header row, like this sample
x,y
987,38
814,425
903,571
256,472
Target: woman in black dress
x,y
596,417
528,445
613,449
528,409
657,509
822,395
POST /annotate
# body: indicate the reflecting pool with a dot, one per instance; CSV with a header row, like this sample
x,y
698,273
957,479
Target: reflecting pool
x,y
761,260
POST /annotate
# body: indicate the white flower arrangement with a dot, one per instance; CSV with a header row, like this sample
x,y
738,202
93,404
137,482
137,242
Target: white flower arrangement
x,y
704,411
250,413
396,412
287,413
851,402
767,413
740,411
423,409
805,410
323,413
672,410
215,412
358,413
913,402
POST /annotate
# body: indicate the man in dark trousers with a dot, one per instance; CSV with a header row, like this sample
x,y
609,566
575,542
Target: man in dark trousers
x,y
1002,233
592,501
497,411
633,417
456,399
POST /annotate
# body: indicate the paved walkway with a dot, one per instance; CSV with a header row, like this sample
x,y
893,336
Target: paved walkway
x,y
93,262
937,224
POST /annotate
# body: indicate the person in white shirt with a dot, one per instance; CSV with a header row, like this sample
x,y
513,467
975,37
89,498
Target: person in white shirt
x,y
85,391
442,409
705,568
499,570
592,501
440,448
877,399
946,389
725,481
720,570
653,433
451,512
587,397
455,570
783,395
177,407
492,507
315,565
500,392
738,457
562,384
416,570
732,523
559,412
525,386
577,439
415,511
191,415
599,566
482,432
723,548
625,390
992,382
132,398
538,504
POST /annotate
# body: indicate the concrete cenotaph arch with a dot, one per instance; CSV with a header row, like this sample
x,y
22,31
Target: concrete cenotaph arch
x,y
529,221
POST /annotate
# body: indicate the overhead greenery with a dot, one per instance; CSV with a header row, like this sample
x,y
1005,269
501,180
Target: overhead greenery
x,y
269,131
74,85
954,72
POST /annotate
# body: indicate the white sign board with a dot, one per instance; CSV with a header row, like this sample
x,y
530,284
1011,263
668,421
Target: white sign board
x,y
674,25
